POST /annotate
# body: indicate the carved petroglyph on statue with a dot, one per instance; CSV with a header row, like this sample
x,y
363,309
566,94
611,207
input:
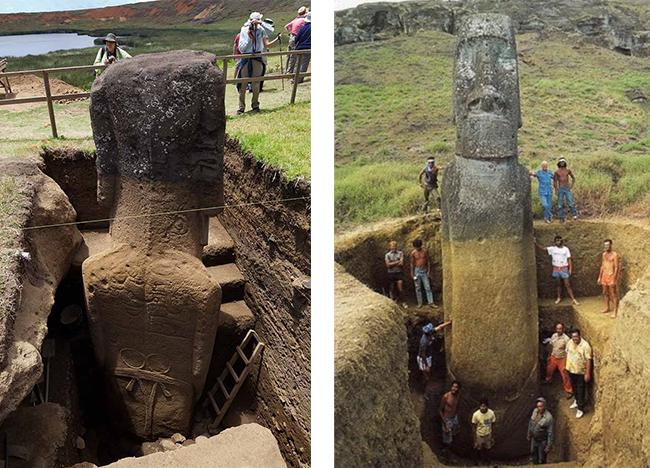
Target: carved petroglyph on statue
x,y
158,123
488,254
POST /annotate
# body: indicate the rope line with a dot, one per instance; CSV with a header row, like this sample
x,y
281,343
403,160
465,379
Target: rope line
x,y
165,213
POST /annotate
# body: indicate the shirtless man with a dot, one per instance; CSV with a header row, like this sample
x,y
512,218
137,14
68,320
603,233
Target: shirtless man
x,y
608,278
420,270
449,414
563,188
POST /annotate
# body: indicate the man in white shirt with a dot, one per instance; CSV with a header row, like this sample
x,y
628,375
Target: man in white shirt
x,y
578,365
562,267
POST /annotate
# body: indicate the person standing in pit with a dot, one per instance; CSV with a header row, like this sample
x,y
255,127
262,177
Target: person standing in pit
x,y
545,182
557,358
562,267
449,414
608,278
578,365
426,349
483,421
420,271
394,261
540,432
430,182
563,188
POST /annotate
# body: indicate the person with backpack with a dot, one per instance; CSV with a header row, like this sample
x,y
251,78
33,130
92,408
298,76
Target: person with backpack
x,y
110,53
293,28
303,42
253,39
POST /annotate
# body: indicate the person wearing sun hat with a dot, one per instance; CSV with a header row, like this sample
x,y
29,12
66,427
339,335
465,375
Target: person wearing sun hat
x,y
253,39
110,53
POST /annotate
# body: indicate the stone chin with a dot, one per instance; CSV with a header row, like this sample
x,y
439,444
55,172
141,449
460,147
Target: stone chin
x,y
486,136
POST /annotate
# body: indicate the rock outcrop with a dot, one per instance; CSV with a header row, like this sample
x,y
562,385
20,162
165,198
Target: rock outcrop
x,y
48,253
608,23
375,420
158,123
487,237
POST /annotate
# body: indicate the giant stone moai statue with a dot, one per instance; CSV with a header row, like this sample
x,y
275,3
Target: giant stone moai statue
x,y
489,282
158,123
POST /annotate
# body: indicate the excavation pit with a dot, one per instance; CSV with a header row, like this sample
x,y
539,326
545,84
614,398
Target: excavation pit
x,y
260,282
361,255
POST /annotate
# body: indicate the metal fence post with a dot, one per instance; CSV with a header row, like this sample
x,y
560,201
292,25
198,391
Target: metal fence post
x,y
50,105
295,79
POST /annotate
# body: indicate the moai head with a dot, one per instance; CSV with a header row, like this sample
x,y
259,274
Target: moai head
x,y
159,124
486,88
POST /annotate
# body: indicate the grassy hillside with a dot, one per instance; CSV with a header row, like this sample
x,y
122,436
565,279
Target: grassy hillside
x,y
574,103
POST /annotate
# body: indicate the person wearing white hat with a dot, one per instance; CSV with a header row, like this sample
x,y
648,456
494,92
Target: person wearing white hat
x,y
253,39
563,187
293,27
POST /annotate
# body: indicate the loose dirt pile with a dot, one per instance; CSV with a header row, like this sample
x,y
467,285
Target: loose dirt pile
x,y
25,86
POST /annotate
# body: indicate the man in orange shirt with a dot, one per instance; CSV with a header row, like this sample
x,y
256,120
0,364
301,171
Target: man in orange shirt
x,y
608,278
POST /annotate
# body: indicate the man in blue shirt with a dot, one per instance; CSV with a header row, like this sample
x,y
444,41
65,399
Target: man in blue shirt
x,y
303,42
545,180
253,39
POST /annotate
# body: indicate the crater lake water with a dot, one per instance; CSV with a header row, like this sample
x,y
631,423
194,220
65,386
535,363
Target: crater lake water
x,y
35,44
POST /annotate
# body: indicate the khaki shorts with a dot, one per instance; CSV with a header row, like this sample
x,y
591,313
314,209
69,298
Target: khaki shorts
x,y
483,442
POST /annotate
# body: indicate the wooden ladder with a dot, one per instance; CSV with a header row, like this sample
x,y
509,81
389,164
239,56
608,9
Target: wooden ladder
x,y
220,397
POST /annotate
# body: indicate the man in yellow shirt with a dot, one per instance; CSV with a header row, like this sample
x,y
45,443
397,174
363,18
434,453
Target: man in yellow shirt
x,y
578,365
483,421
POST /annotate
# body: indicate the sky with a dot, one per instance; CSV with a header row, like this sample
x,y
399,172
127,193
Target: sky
x,y
343,4
21,6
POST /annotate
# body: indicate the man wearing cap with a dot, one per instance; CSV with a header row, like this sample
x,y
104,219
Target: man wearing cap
x,y
545,181
563,187
430,182
110,52
425,350
293,27
540,432
253,39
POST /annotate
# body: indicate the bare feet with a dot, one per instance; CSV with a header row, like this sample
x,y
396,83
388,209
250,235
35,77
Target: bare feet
x,y
557,301
613,315
604,311
575,302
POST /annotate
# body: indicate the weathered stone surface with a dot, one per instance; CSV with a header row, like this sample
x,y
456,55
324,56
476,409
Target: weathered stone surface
x,y
158,123
34,280
487,236
375,421
607,23
239,447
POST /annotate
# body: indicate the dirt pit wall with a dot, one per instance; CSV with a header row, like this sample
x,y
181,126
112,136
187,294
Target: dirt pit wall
x,y
273,244
375,421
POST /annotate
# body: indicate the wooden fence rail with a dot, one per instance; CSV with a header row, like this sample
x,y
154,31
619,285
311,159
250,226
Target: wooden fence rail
x,y
50,98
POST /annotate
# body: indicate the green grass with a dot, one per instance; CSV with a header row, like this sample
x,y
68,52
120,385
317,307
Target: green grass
x,y
573,104
279,135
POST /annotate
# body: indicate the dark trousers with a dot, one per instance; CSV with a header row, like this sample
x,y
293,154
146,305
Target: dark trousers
x,y
579,389
538,451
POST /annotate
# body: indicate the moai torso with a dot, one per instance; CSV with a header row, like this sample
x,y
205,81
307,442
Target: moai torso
x,y
158,122
489,279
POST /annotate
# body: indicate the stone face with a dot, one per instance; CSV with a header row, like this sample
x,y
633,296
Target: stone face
x,y
489,275
158,123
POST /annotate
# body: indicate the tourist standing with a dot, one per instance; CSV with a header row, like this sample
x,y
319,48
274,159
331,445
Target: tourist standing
x,y
563,187
394,261
449,414
303,42
545,189
557,358
293,27
110,53
426,349
578,364
610,270
562,267
430,182
483,421
420,271
253,39
540,432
